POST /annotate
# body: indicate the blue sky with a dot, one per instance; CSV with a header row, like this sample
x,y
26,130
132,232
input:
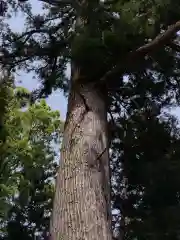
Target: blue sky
x,y
56,101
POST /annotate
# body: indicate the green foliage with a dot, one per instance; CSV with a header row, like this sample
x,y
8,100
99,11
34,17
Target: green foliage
x,y
28,166
85,52
102,36
146,182
145,146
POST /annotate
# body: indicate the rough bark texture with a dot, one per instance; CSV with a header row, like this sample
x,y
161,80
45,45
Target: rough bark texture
x,y
82,199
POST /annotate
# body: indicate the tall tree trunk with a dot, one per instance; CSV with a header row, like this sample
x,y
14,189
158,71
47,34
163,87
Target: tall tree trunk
x,y
82,199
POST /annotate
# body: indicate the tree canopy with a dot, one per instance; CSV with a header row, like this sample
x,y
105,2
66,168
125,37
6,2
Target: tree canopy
x,y
130,49
28,166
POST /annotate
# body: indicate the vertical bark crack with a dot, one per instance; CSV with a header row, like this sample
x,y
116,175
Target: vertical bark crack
x,y
86,111
101,154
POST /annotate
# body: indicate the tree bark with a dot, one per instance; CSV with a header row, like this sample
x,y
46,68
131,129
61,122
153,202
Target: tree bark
x,y
82,208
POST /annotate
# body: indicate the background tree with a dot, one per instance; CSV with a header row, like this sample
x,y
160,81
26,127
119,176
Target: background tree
x,y
28,166
146,178
103,42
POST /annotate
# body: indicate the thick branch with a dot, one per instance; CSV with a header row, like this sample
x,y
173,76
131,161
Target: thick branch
x,y
161,40
134,56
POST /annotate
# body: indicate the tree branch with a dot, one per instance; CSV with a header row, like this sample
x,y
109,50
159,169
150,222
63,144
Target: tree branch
x,y
63,3
58,3
160,41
